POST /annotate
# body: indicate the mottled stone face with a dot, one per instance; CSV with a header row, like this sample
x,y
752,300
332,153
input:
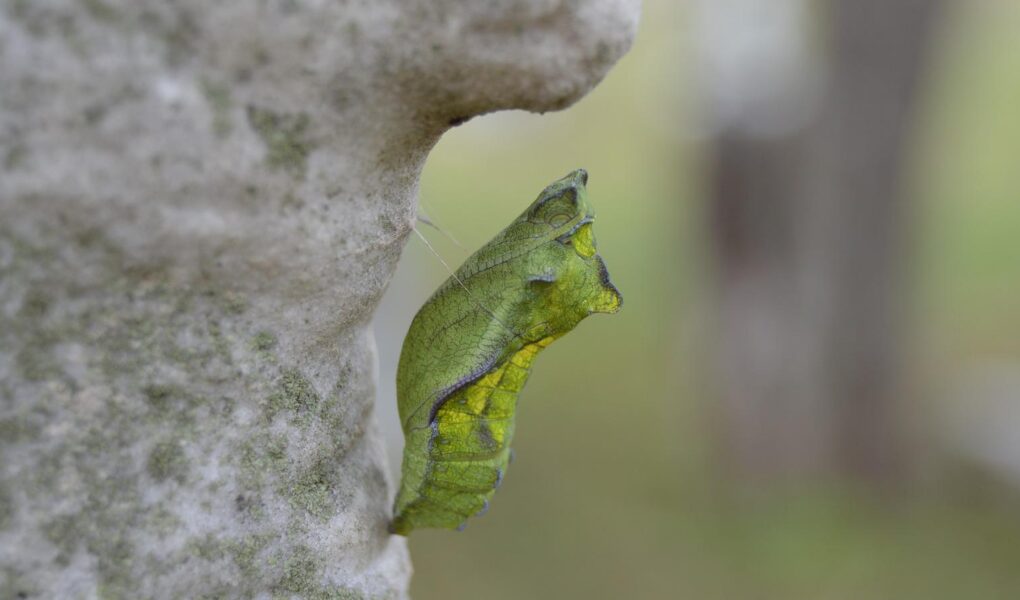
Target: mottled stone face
x,y
200,206
561,49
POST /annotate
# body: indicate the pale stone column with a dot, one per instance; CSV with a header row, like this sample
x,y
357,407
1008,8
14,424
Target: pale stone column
x,y
200,206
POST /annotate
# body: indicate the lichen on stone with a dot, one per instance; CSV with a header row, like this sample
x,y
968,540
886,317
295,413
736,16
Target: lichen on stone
x,y
263,341
285,137
295,395
218,97
301,576
244,552
313,489
14,585
6,507
300,571
184,301
262,456
17,428
167,461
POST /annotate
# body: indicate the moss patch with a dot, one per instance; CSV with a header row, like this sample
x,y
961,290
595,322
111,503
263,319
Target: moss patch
x,y
15,156
65,533
245,552
302,576
234,303
218,97
263,341
36,361
100,11
294,394
286,139
261,456
14,586
167,461
6,508
299,571
34,305
16,429
312,490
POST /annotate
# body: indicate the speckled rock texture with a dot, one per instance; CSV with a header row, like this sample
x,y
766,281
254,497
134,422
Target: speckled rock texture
x,y
200,206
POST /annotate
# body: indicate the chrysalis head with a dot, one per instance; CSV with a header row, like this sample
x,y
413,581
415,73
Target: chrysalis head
x,y
563,202
573,281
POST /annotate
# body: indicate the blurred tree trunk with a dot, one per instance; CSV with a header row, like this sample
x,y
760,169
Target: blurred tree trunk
x,y
809,225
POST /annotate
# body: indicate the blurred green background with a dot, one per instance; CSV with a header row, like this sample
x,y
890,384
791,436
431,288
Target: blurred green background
x,y
619,488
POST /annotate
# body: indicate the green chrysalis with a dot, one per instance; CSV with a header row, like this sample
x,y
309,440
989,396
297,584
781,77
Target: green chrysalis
x,y
469,350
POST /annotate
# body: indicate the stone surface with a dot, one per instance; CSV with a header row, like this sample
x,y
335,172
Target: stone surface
x,y
200,206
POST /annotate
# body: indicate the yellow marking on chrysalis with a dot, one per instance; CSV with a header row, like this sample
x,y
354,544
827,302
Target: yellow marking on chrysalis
x,y
584,241
607,301
477,394
524,357
485,407
490,379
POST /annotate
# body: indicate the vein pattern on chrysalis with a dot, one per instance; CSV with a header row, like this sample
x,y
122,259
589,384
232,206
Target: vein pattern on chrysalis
x,y
469,351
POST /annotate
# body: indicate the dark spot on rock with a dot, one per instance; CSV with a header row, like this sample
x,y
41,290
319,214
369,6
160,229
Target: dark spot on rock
x,y
34,305
242,503
94,114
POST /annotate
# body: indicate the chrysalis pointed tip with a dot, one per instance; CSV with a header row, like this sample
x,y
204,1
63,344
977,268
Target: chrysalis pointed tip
x,y
581,175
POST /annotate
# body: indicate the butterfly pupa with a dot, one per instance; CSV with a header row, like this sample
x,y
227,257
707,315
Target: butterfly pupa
x,y
470,348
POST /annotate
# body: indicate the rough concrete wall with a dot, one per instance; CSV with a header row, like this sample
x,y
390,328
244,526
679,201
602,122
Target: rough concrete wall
x,y
200,206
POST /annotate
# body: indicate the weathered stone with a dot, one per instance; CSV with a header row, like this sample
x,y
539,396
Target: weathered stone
x,y
200,206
